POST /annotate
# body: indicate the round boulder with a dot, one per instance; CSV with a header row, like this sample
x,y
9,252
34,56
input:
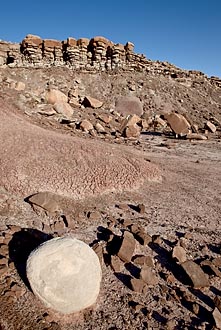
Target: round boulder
x,y
65,273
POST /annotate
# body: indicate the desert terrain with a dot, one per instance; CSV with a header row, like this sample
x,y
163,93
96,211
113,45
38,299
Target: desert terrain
x,y
94,155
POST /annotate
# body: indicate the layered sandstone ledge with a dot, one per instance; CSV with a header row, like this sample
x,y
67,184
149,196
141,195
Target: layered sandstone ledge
x,y
91,55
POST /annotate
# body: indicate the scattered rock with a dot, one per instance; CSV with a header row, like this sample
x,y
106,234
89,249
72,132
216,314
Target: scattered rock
x,y
179,253
58,271
53,96
127,247
148,276
217,302
92,102
141,208
129,105
196,274
86,126
46,200
178,123
196,136
99,128
217,317
116,264
137,285
211,126
63,108
140,234
105,118
143,260
132,131
20,86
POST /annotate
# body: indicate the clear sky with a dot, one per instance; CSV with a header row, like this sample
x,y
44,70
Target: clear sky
x,y
186,33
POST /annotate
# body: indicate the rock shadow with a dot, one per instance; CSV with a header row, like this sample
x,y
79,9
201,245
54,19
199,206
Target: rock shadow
x,y
20,247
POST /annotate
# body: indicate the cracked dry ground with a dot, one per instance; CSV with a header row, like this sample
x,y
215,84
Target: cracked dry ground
x,y
182,210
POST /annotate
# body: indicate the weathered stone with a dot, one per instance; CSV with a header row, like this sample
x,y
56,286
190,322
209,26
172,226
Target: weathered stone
x,y
196,136
86,125
140,234
53,96
20,86
127,247
211,126
148,276
143,260
178,123
63,108
46,200
196,274
98,249
179,253
141,208
217,302
132,131
129,105
105,118
217,317
116,264
137,285
99,128
92,102
65,274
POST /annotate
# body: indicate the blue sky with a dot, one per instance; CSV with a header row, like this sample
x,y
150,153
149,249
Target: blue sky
x,y
186,33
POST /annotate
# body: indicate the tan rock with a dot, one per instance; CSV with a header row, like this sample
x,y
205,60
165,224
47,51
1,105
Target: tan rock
x,y
92,102
196,274
51,43
46,200
53,96
105,118
196,136
148,276
129,105
178,123
132,131
99,128
143,260
86,125
127,248
71,42
65,274
211,126
63,108
217,317
179,253
137,285
140,234
116,264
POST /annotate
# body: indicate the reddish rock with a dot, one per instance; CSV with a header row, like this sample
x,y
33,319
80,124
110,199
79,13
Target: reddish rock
x,y
53,96
137,285
46,200
92,102
140,234
99,128
132,131
196,136
86,126
63,108
179,253
211,126
116,264
217,317
178,123
141,208
196,274
129,105
127,247
105,118
148,276
143,260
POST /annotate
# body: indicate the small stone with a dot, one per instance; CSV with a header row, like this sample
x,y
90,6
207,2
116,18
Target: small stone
x,y
105,118
143,260
217,302
14,228
171,324
4,250
196,274
141,208
132,132
127,222
99,128
179,253
116,264
86,126
127,247
46,200
148,276
20,86
140,234
137,285
3,261
195,308
123,206
196,136
65,274
217,317
217,261
92,102
211,126
98,249
64,109
156,239
94,215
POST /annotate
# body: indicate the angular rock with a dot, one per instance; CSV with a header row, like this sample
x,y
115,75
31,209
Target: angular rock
x,y
141,208
148,276
211,126
86,126
116,264
178,123
129,105
196,274
140,234
137,285
143,260
179,253
99,128
217,318
217,302
196,136
92,102
127,247
46,200
65,274
105,118
63,108
132,131
53,96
